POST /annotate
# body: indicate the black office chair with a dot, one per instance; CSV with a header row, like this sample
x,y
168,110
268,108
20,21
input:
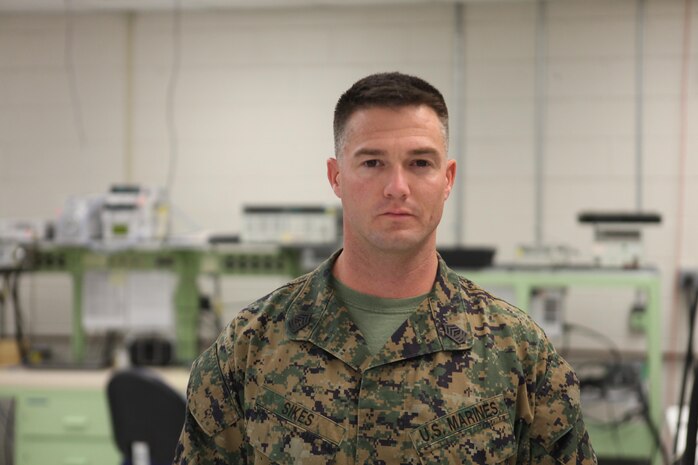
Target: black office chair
x,y
145,409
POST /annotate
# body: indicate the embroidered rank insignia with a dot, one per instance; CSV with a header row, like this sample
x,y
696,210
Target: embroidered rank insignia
x,y
455,333
299,321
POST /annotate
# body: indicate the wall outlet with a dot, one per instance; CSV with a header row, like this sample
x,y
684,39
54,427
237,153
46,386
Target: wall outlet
x,y
547,308
637,319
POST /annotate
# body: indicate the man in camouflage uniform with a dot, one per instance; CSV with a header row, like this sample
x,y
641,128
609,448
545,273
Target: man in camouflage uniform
x,y
461,377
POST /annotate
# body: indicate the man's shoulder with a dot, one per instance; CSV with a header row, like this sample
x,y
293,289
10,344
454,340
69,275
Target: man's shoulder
x,y
272,306
497,313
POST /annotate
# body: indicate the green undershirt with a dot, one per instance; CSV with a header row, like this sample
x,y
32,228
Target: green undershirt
x,y
377,318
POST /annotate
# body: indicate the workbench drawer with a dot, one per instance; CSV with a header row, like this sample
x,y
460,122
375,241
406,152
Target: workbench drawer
x,y
67,452
71,413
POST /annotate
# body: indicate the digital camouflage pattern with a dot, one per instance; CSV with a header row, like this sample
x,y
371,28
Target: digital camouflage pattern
x,y
467,379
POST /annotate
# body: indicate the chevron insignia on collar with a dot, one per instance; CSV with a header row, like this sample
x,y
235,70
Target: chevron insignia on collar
x,y
299,321
455,333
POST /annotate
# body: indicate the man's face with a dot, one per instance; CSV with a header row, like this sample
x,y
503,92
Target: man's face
x,y
393,178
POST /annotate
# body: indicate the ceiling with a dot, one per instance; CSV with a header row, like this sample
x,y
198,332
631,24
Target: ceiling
x,y
41,6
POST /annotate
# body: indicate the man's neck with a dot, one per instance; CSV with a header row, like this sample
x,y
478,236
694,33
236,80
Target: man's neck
x,y
393,276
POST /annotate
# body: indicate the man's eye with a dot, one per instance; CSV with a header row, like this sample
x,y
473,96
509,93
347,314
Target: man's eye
x,y
371,163
422,163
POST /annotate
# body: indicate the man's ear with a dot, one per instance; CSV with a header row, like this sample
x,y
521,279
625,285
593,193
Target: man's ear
x,y
333,176
450,177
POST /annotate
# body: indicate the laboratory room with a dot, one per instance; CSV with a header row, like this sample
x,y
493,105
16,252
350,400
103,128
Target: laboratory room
x,y
208,256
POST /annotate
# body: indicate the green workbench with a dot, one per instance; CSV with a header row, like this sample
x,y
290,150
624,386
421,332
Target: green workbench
x,y
630,440
187,263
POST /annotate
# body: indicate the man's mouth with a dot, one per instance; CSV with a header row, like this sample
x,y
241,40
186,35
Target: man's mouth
x,y
397,213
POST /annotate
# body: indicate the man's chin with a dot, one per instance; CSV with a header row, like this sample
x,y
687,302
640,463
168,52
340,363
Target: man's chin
x,y
399,244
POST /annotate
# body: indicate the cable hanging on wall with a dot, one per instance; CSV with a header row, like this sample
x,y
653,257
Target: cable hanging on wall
x,y
540,117
170,113
69,65
639,101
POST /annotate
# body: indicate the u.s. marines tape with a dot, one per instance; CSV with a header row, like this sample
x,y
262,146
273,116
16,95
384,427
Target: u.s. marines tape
x,y
474,417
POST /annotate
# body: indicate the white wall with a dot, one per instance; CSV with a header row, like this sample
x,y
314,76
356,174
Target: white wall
x,y
253,112
42,160
256,95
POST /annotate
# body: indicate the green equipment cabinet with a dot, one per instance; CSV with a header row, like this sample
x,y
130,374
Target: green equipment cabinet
x,y
66,426
632,440
62,417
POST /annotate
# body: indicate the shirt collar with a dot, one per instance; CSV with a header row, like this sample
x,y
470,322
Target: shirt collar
x,y
441,322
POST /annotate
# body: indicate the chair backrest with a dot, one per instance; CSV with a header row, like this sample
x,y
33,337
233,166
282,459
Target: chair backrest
x,y
145,409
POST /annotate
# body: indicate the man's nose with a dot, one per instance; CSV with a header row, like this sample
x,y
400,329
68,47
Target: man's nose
x,y
397,186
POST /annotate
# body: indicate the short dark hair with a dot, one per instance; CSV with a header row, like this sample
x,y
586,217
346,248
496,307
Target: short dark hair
x,y
387,90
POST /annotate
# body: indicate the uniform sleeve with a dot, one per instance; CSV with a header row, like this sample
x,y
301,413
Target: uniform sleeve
x,y
213,432
558,434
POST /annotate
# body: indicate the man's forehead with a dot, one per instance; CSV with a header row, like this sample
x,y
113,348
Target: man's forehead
x,y
375,123
388,119
394,114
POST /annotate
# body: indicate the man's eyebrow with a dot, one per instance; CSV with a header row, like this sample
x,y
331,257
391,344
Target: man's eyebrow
x,y
421,151
424,151
367,152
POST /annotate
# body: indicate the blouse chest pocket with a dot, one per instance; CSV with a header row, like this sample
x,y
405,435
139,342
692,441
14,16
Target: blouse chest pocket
x,y
481,434
287,433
